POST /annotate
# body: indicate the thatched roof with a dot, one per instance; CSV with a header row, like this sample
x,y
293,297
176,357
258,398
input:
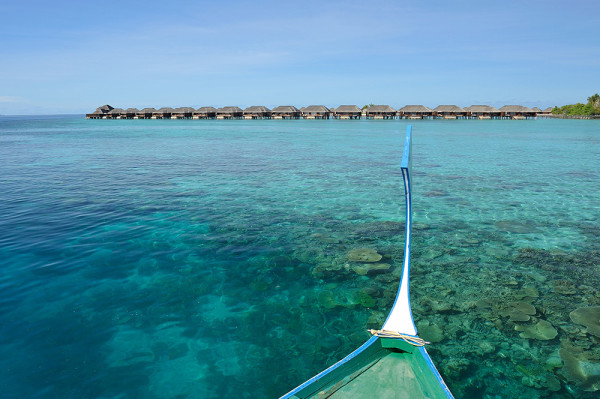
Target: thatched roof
x,y
481,108
516,108
147,111
117,111
229,110
315,108
165,110
257,109
380,108
285,109
448,108
536,109
105,109
347,109
417,109
184,110
548,110
131,111
206,110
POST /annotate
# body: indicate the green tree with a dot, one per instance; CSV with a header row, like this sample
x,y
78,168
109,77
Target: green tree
x,y
591,108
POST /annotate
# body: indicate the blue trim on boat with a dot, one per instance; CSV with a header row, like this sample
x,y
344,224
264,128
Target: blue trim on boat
x,y
405,164
435,372
408,239
323,373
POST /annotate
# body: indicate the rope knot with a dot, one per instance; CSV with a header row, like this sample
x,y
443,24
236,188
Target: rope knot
x,y
409,339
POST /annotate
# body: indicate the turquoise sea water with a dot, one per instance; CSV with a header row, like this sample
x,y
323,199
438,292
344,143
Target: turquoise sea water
x,y
209,259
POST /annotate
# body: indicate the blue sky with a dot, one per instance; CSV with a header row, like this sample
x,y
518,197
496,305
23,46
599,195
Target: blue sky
x,y
73,56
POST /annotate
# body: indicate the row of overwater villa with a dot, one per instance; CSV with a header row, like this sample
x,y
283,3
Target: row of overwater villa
x,y
322,112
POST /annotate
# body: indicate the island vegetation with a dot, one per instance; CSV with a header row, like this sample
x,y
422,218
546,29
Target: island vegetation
x,y
591,108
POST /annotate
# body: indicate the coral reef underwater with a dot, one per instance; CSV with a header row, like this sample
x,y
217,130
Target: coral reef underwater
x,y
500,318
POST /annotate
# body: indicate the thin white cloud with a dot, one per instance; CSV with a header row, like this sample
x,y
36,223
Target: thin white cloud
x,y
10,99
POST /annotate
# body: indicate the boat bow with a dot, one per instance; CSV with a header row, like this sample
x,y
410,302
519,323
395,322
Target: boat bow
x,y
394,360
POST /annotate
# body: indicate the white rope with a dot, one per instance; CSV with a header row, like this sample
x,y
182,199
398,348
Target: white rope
x,y
410,339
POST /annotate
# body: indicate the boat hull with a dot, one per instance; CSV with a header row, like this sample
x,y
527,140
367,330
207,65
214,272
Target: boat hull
x,y
382,368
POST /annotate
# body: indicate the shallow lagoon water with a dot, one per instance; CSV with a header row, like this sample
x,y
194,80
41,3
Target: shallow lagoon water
x,y
208,259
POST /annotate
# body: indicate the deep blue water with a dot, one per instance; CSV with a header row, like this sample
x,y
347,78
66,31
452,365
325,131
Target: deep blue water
x,y
208,259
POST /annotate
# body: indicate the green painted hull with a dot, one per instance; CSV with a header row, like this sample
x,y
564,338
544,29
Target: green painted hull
x,y
382,368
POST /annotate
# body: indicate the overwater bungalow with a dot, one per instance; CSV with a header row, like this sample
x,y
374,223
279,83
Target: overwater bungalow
x,y
257,112
285,112
316,112
182,113
205,113
129,113
347,112
380,112
322,112
230,113
145,113
115,113
163,113
449,112
547,113
516,112
100,112
415,112
482,112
